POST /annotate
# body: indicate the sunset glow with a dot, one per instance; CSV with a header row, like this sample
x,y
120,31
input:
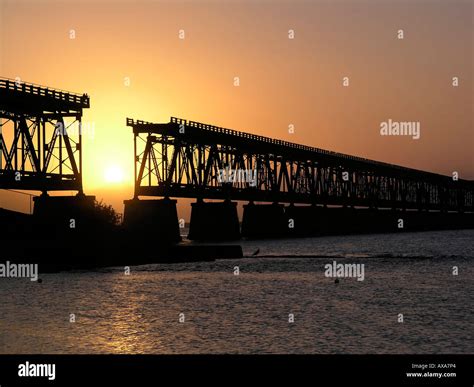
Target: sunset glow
x,y
187,185
113,174
163,59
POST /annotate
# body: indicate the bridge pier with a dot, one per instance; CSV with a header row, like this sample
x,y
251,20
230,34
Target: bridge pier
x,y
303,221
333,220
66,215
156,218
320,220
264,221
216,221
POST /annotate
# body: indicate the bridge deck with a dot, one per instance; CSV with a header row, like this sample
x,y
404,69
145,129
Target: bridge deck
x,y
40,157
24,97
209,134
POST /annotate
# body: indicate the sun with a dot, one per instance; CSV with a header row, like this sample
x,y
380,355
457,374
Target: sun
x,y
113,174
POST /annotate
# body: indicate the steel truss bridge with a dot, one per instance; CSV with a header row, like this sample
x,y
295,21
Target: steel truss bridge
x,y
184,158
40,137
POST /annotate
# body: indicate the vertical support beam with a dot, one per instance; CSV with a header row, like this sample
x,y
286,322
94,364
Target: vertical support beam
x,y
135,161
79,119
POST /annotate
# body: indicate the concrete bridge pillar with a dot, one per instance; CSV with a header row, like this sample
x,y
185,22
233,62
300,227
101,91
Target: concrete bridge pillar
x,y
264,221
335,220
64,215
156,218
303,220
320,220
217,221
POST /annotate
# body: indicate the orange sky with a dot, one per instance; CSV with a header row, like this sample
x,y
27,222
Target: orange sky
x,y
282,81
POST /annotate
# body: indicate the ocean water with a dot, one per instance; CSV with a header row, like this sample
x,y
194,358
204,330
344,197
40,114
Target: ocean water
x,y
206,308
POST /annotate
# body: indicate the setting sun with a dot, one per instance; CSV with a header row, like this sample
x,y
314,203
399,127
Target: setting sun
x,y
113,174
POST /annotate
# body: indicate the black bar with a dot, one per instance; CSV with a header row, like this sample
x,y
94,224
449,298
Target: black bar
x,y
315,370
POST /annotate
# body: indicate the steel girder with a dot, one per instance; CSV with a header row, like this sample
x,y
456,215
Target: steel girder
x,y
40,137
184,159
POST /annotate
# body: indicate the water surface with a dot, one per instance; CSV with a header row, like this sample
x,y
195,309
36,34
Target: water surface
x,y
407,273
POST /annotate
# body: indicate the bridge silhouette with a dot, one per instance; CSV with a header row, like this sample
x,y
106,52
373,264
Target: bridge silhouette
x,y
324,191
42,156
183,159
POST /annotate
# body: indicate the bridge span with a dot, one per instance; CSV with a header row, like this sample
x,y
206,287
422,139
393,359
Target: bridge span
x,y
289,189
190,159
38,148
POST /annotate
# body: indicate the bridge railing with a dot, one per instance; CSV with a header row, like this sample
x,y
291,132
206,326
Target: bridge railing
x,y
132,122
43,91
414,173
269,140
